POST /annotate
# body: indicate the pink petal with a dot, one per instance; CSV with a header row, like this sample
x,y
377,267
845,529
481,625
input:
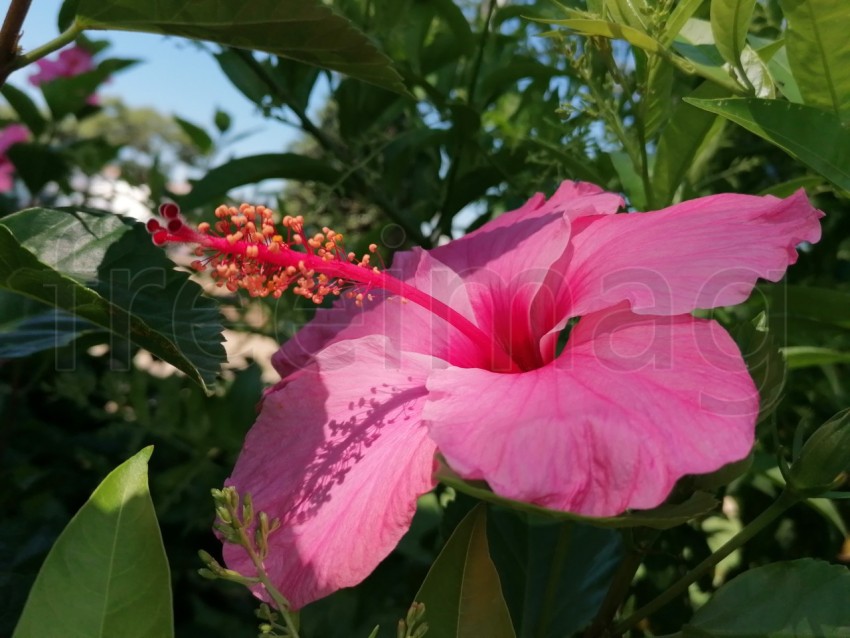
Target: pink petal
x,y
631,405
7,175
339,454
704,253
496,276
11,135
513,266
408,326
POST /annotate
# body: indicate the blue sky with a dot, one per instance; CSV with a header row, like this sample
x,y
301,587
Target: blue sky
x,y
174,76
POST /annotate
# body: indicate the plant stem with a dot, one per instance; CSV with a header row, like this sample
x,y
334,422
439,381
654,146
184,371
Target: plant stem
x,y
785,501
66,37
10,34
280,602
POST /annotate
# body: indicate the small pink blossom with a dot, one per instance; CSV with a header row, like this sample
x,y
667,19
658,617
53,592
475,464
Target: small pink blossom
x,y
459,353
70,62
9,136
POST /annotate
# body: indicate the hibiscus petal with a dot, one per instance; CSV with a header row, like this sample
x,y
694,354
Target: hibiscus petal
x,y
410,327
508,265
631,405
704,253
339,454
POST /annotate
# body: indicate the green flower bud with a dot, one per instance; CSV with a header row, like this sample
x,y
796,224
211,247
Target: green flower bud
x,y
824,460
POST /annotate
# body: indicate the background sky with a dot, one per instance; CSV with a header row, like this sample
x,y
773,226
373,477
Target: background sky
x,y
174,76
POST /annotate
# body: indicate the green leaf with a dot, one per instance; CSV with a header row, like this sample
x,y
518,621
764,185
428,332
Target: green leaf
x,y
819,52
68,95
243,75
811,135
25,108
584,26
304,30
632,13
679,143
662,517
462,593
821,305
695,44
200,138
683,12
106,270
249,170
659,95
802,599
785,189
764,362
38,165
554,574
630,179
107,574
27,326
807,356
730,21
780,71
222,121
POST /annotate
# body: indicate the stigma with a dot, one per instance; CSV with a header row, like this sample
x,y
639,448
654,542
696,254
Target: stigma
x,y
245,249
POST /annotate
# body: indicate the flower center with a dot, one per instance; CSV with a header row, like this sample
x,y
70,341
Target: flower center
x,y
244,249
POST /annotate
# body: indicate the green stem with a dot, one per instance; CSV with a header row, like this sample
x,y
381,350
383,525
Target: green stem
x,y
280,602
785,501
66,37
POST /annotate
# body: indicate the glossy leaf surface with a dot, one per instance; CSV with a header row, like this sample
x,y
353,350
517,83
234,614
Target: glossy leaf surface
x,y
107,574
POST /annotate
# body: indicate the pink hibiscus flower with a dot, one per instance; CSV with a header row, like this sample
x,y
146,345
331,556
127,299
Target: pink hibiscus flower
x,y
459,352
70,62
9,136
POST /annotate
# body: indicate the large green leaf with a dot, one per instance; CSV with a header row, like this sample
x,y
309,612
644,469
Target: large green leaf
x,y
819,51
679,143
248,170
811,135
107,574
796,599
554,574
105,269
730,21
462,593
305,30
27,326
662,517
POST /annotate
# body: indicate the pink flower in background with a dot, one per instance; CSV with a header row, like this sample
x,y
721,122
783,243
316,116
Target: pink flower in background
x,y
70,62
463,352
9,136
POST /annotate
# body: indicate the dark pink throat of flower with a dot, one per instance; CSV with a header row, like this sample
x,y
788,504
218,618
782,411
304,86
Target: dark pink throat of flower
x,y
245,249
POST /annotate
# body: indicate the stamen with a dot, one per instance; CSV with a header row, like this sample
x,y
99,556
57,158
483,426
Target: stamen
x,y
244,249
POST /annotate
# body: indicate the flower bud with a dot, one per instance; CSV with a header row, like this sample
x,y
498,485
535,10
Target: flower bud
x,y
824,461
